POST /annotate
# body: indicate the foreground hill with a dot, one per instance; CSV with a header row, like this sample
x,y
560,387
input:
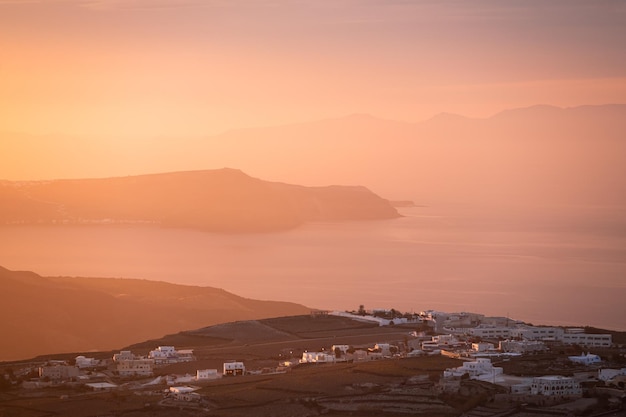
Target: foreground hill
x,y
224,200
43,315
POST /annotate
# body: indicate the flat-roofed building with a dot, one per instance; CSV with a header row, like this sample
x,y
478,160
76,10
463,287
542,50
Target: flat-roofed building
x,y
123,355
58,372
234,368
588,340
135,367
555,385
207,374
588,359
522,346
537,333
491,332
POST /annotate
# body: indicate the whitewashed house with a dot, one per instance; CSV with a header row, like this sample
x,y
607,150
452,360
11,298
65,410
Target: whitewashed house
x,y
555,385
135,367
234,368
588,359
207,374
480,369
83,362
318,357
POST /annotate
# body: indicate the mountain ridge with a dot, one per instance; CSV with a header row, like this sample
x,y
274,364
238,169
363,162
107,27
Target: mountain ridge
x,y
224,200
544,155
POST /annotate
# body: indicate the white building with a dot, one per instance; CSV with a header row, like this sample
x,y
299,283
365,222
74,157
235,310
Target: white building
x,y
480,369
207,374
83,362
438,342
491,332
555,386
382,348
168,354
162,354
482,347
234,368
567,336
342,348
537,333
135,367
588,340
183,393
588,359
58,372
608,374
522,346
318,357
123,355
101,386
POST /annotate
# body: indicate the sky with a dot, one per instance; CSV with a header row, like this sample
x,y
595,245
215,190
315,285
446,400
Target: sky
x,y
145,68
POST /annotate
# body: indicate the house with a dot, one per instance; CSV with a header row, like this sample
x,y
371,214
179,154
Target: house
x,y
588,340
382,348
184,393
101,386
83,362
440,342
608,374
340,348
169,354
234,368
555,385
522,346
491,332
135,367
482,346
318,357
58,372
360,355
162,354
537,333
207,374
185,355
588,359
123,355
480,369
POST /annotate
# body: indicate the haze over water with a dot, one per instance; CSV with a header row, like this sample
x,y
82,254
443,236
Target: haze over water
x,y
546,269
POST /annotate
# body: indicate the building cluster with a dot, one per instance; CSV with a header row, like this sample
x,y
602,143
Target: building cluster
x,y
347,353
478,340
165,355
501,328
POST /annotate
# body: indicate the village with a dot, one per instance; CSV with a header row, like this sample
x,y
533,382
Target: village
x,y
526,366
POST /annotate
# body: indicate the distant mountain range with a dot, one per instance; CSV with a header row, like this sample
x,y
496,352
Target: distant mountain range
x,y
536,155
45,315
225,200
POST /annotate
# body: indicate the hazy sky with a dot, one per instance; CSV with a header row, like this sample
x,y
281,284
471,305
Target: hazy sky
x,y
192,67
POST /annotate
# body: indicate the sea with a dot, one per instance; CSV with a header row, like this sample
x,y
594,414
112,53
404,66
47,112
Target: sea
x,y
539,266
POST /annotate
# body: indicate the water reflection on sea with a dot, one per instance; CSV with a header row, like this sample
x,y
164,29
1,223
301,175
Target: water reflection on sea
x,y
547,268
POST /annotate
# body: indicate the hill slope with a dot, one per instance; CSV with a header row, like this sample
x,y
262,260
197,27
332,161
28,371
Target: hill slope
x,y
52,315
224,200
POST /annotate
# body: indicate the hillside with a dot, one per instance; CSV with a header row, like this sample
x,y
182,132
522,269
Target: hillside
x,y
45,315
224,200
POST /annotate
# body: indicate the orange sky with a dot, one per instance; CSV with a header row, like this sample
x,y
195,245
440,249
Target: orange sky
x,y
123,68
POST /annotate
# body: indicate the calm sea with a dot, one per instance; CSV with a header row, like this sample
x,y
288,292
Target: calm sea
x,y
544,268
